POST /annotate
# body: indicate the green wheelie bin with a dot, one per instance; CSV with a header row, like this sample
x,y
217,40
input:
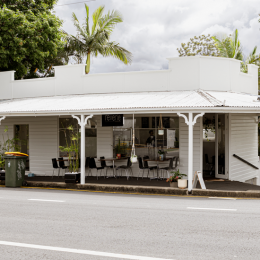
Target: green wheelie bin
x,y
14,170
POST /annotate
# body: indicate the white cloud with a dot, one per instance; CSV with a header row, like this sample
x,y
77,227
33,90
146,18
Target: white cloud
x,y
152,30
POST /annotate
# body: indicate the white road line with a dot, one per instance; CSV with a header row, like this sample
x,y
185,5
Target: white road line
x,y
212,209
222,198
47,200
79,251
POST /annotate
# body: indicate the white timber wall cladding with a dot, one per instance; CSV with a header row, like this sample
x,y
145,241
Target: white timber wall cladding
x,y
184,145
104,140
43,140
105,146
244,143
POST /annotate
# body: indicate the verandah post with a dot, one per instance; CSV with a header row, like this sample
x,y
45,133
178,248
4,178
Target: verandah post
x,y
82,151
190,122
190,156
82,123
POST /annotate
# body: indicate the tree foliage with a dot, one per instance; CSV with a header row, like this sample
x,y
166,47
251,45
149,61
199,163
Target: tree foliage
x,y
252,58
95,39
229,47
202,45
30,37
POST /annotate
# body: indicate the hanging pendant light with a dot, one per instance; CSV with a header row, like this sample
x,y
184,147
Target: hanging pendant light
x,y
133,155
160,128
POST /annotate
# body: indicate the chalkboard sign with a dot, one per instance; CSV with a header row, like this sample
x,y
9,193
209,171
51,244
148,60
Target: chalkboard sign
x,y
112,120
198,176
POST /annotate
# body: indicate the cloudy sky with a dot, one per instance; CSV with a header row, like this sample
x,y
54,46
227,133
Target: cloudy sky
x,y
153,30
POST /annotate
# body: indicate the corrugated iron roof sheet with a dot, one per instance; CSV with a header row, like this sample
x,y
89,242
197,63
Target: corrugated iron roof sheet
x,y
123,101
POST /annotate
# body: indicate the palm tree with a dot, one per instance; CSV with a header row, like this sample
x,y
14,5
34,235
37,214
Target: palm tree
x,y
252,58
229,47
96,40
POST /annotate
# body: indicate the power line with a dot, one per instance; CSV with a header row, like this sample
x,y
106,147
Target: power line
x,y
54,6
77,3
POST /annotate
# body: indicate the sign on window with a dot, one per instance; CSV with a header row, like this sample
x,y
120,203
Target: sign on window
x,y
112,120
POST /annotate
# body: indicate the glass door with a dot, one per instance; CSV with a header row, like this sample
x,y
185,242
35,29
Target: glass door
x,y
221,146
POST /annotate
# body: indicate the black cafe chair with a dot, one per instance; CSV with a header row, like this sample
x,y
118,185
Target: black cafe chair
x,y
62,164
55,166
151,168
142,167
170,167
103,164
127,168
87,166
92,165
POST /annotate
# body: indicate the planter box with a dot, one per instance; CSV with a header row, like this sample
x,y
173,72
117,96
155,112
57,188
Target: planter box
x,y
182,183
174,184
72,177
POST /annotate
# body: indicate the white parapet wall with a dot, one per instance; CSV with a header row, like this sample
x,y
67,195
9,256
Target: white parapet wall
x,y
184,73
212,73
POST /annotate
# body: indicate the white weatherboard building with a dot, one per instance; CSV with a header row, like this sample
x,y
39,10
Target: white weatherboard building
x,y
208,106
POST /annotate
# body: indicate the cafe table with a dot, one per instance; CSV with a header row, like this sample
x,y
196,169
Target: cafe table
x,y
66,160
157,163
113,162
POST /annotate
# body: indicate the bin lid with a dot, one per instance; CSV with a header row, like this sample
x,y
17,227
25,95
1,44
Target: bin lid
x,y
16,154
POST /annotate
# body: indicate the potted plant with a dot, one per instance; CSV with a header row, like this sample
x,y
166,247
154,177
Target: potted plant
x,y
174,179
123,149
182,183
72,149
133,158
161,154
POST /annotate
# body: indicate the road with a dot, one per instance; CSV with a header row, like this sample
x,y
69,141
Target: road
x,y
56,224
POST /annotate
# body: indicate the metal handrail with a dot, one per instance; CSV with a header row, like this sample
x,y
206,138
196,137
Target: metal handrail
x,y
243,160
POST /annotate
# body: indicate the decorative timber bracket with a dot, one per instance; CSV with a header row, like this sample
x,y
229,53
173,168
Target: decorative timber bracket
x,y
190,120
2,118
80,122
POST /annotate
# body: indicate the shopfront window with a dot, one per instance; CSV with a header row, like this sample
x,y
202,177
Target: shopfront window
x,y
21,133
68,127
90,136
91,142
147,139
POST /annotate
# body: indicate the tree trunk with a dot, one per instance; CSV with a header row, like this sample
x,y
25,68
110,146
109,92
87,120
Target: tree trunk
x,y
47,72
87,69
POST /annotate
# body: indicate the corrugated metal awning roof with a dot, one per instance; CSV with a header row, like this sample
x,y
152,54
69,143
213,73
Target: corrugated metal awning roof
x,y
129,101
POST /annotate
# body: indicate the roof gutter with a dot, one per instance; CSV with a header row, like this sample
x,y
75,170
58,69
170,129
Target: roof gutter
x,y
136,111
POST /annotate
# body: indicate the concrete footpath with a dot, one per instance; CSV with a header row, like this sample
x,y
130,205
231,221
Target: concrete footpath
x,y
134,189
